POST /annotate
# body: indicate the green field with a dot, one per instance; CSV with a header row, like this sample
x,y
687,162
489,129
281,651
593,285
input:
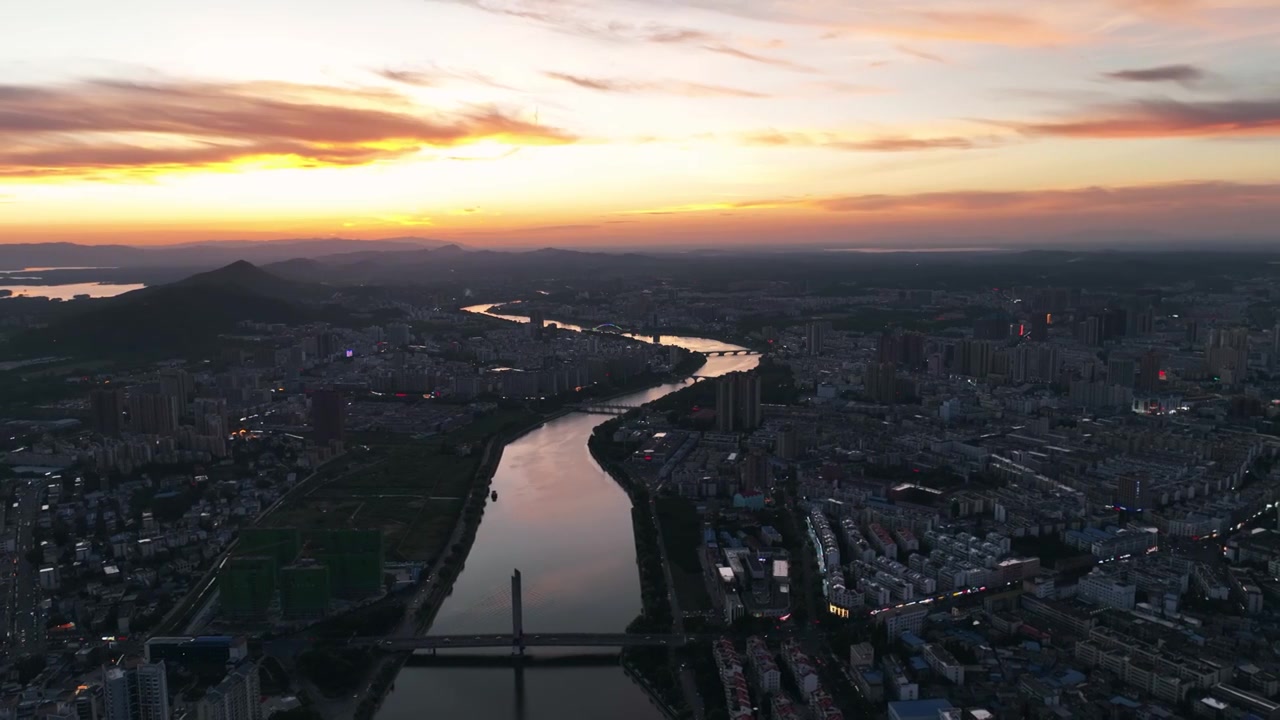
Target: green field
x,y
413,492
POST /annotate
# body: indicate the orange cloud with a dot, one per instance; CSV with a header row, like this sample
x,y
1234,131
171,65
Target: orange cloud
x,y
882,143
1085,199
995,28
997,202
93,128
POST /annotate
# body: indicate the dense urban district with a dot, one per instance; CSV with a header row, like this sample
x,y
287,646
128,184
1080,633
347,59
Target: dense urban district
x,y
934,489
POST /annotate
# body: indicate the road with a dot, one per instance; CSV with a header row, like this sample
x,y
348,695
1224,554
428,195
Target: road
x,y
27,633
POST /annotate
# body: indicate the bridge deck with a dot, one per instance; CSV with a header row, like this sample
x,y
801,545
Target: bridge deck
x,y
618,640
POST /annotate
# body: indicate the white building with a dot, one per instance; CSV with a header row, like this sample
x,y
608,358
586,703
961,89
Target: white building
x,y
1105,589
944,663
237,697
136,693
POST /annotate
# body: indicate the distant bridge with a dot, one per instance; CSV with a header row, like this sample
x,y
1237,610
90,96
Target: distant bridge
x,y
713,353
444,642
605,408
517,640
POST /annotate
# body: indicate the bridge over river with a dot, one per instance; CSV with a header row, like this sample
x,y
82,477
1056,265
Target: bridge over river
x,y
517,640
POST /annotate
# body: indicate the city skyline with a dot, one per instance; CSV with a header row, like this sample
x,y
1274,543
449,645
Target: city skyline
x,y
644,122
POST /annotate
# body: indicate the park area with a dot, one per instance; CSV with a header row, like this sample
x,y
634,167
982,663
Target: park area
x,y
413,491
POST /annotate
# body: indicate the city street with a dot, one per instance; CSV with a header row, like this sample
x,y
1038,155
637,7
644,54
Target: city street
x,y
27,631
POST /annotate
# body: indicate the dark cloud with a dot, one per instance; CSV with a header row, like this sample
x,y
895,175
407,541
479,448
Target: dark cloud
x,y
1164,118
417,78
67,129
563,17
763,59
673,87
920,54
1184,74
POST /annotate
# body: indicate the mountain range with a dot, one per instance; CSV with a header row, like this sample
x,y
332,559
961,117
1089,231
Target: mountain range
x,y
177,319
208,254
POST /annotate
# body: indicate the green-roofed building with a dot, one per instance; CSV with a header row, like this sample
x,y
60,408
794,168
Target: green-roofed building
x,y
354,559
305,590
247,586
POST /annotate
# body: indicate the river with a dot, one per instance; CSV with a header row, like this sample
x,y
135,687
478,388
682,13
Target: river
x,y
566,525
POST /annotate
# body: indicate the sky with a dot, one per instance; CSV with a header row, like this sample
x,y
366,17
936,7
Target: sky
x,y
690,123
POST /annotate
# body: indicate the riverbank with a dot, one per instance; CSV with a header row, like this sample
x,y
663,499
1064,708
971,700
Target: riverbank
x,y
651,668
564,525
427,601
438,582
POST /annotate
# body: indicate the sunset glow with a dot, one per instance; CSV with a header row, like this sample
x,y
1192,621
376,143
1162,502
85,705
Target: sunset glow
x,y
631,122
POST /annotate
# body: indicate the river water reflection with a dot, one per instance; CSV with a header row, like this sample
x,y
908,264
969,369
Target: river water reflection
x,y
567,525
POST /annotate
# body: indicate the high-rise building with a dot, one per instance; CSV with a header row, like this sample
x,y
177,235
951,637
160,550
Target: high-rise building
x,y
107,408
178,383
140,692
537,321
328,409
784,445
1120,371
738,402
89,703
902,348
1133,493
1228,351
398,334
1149,372
975,357
237,697
1145,321
1090,332
152,412
305,590
756,474
1039,327
1192,333
750,413
816,337
247,586
354,559
1275,346
1034,363
880,380
726,404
